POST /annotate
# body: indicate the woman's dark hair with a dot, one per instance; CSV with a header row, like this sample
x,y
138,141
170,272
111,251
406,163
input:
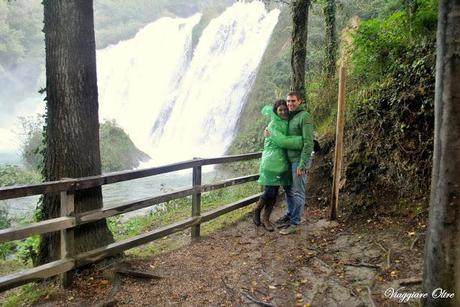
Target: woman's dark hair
x,y
278,103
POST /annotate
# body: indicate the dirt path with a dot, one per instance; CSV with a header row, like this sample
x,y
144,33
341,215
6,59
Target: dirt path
x,y
324,264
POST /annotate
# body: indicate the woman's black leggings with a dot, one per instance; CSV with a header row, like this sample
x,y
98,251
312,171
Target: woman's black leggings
x,y
270,192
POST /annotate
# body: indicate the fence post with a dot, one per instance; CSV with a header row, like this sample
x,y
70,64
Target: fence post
x,y
67,235
196,200
338,145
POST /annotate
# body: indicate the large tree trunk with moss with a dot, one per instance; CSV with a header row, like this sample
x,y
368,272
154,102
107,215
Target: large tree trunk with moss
x,y
331,38
442,247
72,125
299,12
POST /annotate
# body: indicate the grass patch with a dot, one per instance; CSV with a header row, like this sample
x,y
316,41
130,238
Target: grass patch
x,y
177,210
9,266
26,295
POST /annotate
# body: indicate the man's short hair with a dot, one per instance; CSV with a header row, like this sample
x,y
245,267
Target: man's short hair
x,y
295,93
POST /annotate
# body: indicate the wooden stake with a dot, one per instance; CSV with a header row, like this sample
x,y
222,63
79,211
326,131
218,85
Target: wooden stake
x,y
338,145
196,200
67,235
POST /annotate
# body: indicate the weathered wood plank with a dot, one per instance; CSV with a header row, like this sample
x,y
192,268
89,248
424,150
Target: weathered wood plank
x,y
67,235
92,181
95,181
210,215
196,200
229,182
234,158
117,247
338,158
35,274
94,215
35,189
51,225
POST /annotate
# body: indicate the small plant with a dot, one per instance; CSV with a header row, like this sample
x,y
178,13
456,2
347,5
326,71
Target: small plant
x,y
26,295
27,249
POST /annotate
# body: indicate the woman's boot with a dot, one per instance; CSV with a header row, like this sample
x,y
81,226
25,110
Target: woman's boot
x,y
257,210
266,214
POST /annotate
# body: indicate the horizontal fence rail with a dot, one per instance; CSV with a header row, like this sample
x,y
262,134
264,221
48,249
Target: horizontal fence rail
x,y
95,181
68,221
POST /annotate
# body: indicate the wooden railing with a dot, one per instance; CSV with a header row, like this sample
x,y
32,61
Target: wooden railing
x,y
69,220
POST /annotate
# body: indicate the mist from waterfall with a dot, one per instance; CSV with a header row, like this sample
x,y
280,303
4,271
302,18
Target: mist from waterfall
x,y
176,105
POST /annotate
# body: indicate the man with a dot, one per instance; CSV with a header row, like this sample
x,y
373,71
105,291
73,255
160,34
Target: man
x,y
300,123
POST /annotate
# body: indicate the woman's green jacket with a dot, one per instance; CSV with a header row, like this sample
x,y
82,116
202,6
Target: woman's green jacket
x,y
274,165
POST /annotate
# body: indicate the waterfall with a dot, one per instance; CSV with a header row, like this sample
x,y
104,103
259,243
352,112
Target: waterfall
x,y
135,77
175,105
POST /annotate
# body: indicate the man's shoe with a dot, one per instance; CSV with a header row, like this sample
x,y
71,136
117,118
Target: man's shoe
x,y
289,230
283,220
282,226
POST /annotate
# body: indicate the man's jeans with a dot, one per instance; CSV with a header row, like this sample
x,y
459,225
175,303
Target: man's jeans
x,y
295,194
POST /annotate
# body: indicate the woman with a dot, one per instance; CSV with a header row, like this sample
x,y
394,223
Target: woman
x,y
274,166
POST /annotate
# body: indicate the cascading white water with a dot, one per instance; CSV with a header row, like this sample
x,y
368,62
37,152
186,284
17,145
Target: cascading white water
x,y
175,109
136,77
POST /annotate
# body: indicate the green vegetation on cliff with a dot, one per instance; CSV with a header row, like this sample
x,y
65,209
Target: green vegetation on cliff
x,y
389,133
118,152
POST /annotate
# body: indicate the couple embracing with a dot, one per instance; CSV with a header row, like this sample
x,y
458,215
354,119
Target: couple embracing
x,y
285,160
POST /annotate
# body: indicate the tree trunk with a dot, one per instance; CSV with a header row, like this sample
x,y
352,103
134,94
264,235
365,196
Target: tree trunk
x,y
331,38
442,247
299,12
72,125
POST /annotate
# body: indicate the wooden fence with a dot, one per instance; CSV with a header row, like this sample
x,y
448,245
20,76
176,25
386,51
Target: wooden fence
x,y
69,220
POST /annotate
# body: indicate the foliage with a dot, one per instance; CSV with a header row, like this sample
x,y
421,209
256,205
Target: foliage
x,y
391,123
32,142
26,295
26,250
15,175
5,222
4,219
118,152
379,41
20,29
